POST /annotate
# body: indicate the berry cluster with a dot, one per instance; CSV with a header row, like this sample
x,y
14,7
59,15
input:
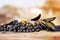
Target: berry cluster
x,y
16,26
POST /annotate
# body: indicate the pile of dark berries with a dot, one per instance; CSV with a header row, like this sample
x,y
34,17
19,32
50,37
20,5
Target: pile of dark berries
x,y
16,26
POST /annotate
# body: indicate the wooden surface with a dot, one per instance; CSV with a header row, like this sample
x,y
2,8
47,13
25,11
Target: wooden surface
x,y
42,35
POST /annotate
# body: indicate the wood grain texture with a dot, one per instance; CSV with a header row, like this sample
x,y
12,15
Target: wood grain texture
x,y
42,35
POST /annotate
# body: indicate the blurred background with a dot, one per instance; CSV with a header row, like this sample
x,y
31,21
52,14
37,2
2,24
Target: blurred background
x,y
27,9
